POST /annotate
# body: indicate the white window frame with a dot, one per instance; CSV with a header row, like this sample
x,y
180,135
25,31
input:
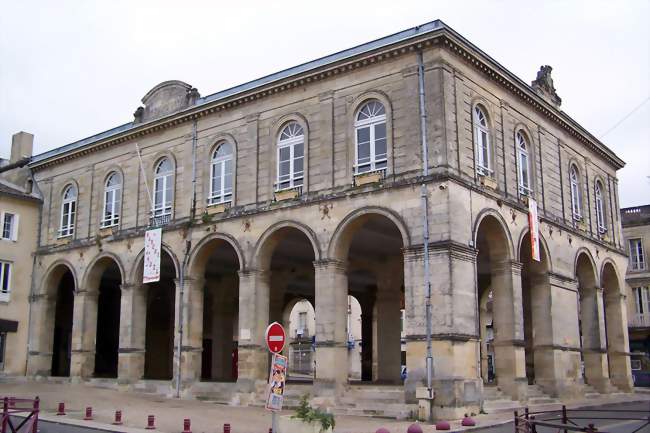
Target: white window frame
x,y
13,226
483,148
600,209
218,164
375,163
115,192
68,211
167,180
576,196
523,158
637,254
295,136
5,274
642,300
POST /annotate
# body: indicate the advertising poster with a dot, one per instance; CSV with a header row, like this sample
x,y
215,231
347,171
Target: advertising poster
x,y
152,240
533,225
277,380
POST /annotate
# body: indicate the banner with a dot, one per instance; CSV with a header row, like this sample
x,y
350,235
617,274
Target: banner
x,y
277,379
151,272
533,225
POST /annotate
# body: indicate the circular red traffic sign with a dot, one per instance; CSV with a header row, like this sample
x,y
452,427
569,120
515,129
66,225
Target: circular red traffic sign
x,y
275,337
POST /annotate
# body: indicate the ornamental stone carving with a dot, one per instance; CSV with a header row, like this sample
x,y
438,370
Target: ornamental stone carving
x,y
543,85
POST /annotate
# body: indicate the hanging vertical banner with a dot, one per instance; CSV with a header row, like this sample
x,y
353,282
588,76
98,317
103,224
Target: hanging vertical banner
x,y
533,225
277,379
152,240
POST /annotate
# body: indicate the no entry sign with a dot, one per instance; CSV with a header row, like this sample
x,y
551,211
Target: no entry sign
x,y
275,337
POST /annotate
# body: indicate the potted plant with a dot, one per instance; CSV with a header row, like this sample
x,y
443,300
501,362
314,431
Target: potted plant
x,y
307,420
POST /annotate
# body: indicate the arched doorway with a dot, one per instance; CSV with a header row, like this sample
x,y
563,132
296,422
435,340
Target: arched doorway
x,y
63,315
218,263
299,318
616,329
160,316
355,342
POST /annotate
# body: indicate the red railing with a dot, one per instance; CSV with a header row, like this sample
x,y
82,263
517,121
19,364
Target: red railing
x,y
27,409
569,420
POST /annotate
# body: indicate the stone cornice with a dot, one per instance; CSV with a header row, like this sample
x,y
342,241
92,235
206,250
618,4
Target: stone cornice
x,y
443,37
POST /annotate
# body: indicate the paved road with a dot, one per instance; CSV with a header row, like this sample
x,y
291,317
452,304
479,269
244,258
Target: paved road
x,y
55,427
609,425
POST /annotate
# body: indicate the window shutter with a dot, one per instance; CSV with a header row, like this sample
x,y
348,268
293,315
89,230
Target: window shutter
x,y
14,228
2,225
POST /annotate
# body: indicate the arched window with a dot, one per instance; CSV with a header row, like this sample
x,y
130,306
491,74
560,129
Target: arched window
x,y
221,174
68,211
482,142
112,200
600,209
370,133
291,157
576,199
163,188
523,164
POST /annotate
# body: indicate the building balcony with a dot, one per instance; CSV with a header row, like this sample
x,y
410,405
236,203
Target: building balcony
x,y
639,320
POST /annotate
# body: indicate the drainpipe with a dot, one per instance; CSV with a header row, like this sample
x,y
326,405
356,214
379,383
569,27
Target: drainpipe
x,y
425,223
186,257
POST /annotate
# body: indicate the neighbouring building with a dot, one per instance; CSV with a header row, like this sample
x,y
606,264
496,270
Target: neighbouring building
x,y
636,232
311,183
19,212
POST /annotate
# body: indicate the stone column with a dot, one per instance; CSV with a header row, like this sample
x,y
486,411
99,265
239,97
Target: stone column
x,y
84,331
509,349
593,338
331,317
39,361
618,348
133,322
253,320
386,333
192,344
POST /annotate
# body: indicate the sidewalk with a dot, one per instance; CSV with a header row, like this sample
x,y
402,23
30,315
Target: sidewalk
x,y
209,417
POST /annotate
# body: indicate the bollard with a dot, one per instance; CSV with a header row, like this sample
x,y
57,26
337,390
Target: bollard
x,y
382,430
187,426
118,418
414,428
226,428
270,429
443,425
12,402
89,414
467,422
151,421
61,409
37,409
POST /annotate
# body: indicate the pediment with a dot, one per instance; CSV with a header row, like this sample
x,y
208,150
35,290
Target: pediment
x,y
166,98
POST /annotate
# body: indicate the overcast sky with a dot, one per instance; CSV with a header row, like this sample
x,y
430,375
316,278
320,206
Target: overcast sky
x,y
71,69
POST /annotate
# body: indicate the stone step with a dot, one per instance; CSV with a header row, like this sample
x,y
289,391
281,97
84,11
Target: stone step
x,y
504,405
385,410
542,400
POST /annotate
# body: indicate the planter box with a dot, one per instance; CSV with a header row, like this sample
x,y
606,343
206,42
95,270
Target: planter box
x,y
107,231
64,241
366,178
286,194
286,424
488,182
217,208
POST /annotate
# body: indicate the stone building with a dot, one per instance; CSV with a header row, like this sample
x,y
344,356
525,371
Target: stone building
x,y
19,211
309,184
636,232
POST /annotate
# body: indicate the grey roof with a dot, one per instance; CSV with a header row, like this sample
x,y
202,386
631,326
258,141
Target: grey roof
x,y
385,41
15,192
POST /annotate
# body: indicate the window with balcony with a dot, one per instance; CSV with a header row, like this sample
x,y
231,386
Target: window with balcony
x,y
523,164
163,191
482,142
637,257
290,157
576,196
68,211
370,136
600,208
112,200
221,174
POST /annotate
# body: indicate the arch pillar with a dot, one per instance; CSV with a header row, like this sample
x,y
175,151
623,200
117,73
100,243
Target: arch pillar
x,y
509,346
331,291
39,359
618,342
254,290
192,344
84,332
386,333
133,320
594,338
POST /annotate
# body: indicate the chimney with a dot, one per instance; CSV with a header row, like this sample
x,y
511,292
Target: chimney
x,y
22,144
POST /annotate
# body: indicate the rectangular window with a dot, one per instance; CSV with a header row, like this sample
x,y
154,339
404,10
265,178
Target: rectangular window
x,y
637,258
9,226
5,281
302,323
641,295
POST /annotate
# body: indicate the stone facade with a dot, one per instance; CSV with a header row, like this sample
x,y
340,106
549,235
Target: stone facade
x,y
338,233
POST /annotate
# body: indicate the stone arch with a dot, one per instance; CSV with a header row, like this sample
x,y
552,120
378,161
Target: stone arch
x,y
54,273
200,254
609,275
498,219
579,265
136,270
158,156
545,251
266,243
97,266
342,236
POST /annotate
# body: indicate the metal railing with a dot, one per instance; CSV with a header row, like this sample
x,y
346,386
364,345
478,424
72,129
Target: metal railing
x,y
639,320
26,409
569,420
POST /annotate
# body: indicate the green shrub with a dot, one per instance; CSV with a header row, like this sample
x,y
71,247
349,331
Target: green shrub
x,y
308,414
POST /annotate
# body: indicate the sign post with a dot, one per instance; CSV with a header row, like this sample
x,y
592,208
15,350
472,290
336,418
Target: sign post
x,y
275,338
